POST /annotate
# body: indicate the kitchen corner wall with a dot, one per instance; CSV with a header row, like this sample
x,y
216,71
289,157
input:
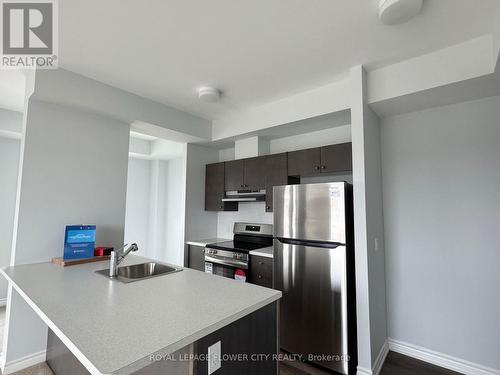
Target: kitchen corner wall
x,y
256,212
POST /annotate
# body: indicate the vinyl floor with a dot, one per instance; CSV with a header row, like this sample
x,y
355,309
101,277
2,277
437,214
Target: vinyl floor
x,y
395,364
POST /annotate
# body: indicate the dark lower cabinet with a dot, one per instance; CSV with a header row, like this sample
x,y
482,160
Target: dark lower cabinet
x,y
261,271
248,346
336,158
276,175
304,162
214,189
254,336
196,257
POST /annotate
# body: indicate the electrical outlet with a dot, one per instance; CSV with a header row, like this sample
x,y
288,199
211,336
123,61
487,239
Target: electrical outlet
x,y
377,245
214,357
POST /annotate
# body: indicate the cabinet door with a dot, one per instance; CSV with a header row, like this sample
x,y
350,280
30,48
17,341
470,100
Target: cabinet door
x,y
255,176
214,189
336,158
304,162
235,171
197,257
261,271
276,175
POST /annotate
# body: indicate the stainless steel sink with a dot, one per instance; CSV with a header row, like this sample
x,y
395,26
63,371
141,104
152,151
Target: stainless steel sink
x,y
141,271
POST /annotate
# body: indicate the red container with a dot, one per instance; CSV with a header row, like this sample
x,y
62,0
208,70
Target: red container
x,y
102,251
240,275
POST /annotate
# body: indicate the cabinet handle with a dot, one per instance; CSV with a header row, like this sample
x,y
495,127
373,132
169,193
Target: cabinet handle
x,y
242,185
260,276
268,207
323,167
261,262
316,167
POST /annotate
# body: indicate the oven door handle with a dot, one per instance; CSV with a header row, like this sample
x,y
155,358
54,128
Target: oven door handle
x,y
226,261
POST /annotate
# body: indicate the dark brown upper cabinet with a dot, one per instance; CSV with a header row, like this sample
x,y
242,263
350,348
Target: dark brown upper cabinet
x,y
214,189
235,175
245,174
276,175
304,162
326,159
336,158
255,178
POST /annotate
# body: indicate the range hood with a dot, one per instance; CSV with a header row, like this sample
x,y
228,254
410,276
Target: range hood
x,y
245,196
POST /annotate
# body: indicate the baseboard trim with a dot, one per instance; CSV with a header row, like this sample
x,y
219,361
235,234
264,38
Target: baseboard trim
x,y
382,355
3,302
363,371
440,359
379,362
24,362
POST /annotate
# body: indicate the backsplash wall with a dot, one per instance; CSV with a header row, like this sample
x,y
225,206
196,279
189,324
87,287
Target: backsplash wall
x,y
254,212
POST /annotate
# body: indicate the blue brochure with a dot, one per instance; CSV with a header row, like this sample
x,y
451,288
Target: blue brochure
x,y
79,241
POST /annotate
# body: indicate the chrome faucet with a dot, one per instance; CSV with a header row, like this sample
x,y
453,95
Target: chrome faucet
x,y
117,256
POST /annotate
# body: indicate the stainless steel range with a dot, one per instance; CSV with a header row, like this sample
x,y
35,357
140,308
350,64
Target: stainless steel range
x,y
230,259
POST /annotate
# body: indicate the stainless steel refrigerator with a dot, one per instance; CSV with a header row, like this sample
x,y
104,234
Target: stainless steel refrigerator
x,y
314,268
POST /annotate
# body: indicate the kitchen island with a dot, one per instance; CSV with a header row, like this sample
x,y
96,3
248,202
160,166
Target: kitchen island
x,y
108,327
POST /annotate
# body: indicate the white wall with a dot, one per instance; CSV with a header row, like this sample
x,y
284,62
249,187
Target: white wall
x,y
72,162
11,124
251,147
247,213
334,135
155,208
200,224
442,217
227,154
73,170
175,213
368,227
10,150
138,203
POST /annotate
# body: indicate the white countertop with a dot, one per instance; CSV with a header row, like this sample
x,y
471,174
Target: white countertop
x,y
207,241
113,327
264,252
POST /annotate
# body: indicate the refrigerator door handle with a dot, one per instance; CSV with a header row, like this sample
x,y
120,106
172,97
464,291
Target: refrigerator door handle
x,y
323,244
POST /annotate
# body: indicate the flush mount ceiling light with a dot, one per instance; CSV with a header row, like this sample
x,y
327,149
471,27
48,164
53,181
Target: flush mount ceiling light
x,y
208,94
395,12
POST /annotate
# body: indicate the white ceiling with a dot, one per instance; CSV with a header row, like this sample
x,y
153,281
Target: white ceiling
x,y
254,51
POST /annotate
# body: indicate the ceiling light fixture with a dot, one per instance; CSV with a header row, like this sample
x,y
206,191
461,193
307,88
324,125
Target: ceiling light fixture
x,y
395,12
209,94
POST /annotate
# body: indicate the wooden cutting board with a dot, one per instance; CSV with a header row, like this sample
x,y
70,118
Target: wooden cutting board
x,y
73,262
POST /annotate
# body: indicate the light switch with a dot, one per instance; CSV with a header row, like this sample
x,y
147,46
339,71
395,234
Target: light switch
x,y
377,245
214,357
